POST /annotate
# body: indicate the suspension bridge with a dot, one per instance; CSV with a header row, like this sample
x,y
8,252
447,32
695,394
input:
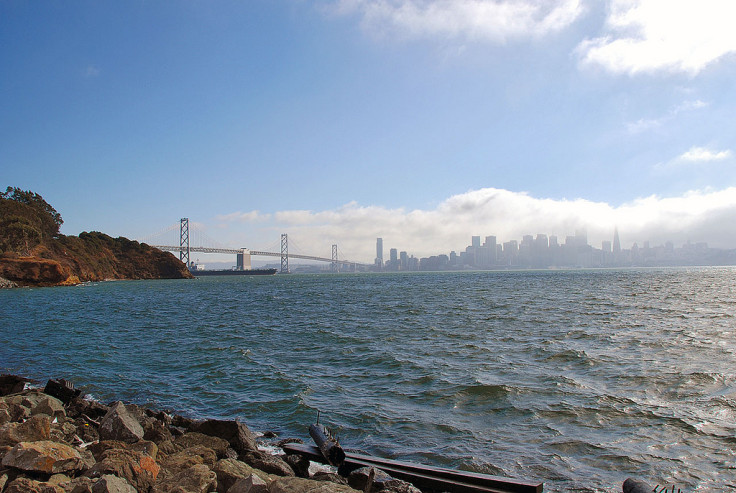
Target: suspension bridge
x,y
243,255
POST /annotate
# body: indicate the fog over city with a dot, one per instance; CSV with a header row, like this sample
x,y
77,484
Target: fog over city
x,y
698,216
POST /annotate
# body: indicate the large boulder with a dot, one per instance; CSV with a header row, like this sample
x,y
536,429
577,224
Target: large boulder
x,y
196,479
251,484
62,390
271,464
12,384
229,471
24,485
34,429
50,406
119,424
4,413
194,439
143,446
140,470
112,484
301,485
238,435
43,457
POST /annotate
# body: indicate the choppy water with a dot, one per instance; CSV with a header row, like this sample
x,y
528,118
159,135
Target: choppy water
x,y
576,378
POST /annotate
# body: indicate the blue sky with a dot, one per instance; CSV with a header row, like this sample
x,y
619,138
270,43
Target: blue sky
x,y
424,122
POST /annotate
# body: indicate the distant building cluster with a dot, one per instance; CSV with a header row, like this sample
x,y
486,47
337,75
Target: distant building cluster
x,y
544,252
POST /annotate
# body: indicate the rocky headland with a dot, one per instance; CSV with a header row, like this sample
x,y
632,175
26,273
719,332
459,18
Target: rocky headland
x,y
55,441
34,253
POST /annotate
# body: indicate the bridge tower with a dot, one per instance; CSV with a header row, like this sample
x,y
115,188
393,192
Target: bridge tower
x,y
284,253
184,240
334,259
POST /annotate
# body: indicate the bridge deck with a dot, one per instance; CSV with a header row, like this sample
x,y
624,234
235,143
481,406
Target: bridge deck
x,y
171,248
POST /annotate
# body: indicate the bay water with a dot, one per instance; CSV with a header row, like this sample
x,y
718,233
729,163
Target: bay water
x,y
577,378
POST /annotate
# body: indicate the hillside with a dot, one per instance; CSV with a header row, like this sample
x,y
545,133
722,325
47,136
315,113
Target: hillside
x,y
34,253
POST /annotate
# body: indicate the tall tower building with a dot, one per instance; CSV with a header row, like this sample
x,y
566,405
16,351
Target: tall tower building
x,y
616,242
379,252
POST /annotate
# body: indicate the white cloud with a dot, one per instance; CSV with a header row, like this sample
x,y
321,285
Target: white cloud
x,y
244,217
646,36
646,124
696,216
693,157
492,20
702,154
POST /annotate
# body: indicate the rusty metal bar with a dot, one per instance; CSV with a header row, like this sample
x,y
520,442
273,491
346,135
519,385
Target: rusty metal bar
x,y
427,478
328,446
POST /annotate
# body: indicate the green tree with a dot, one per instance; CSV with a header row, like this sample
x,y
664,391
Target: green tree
x,y
50,219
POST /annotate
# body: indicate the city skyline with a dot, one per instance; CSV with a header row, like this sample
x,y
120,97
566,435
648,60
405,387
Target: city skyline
x,y
545,251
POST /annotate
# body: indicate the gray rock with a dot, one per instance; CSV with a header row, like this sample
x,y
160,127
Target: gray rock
x,y
4,414
81,484
49,406
229,471
194,439
62,390
24,485
196,479
329,476
358,479
236,433
398,486
112,484
34,429
301,485
299,464
250,484
43,457
119,424
138,469
271,464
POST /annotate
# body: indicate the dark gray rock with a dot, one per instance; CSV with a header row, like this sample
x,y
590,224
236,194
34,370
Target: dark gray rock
x,y
62,390
112,484
271,464
119,424
237,434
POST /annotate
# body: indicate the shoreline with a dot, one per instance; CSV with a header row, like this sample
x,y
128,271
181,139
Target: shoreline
x,y
55,440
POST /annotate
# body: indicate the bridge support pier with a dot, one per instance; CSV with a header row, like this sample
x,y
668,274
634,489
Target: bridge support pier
x,y
243,262
284,253
184,240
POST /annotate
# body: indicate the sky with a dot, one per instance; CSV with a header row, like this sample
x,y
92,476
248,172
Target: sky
x,y
340,121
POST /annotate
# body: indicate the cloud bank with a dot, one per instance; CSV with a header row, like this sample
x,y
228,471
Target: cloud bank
x,y
645,36
494,20
695,216
638,36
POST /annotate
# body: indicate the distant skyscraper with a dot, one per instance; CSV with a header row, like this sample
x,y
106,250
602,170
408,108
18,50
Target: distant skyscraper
x,y
379,251
616,242
476,242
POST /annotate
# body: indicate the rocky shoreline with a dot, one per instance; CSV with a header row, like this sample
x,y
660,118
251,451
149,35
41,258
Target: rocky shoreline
x,y
52,440
6,284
